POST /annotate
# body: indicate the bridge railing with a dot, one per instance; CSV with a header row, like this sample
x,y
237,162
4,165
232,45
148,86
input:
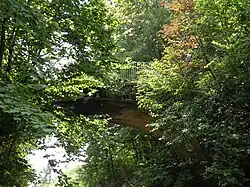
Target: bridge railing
x,y
131,72
128,74
126,81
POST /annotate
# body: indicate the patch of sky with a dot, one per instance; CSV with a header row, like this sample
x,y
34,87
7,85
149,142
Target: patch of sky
x,y
39,159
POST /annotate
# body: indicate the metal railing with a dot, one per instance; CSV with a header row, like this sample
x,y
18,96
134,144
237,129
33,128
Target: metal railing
x,y
128,74
131,73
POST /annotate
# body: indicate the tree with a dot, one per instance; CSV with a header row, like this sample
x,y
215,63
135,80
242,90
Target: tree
x,y
47,171
139,31
35,35
195,91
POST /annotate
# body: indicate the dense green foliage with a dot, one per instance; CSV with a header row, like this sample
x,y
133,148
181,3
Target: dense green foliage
x,y
193,79
35,36
141,22
197,93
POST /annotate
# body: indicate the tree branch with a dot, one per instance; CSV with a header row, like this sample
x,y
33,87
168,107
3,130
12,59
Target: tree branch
x,y
11,49
2,43
206,59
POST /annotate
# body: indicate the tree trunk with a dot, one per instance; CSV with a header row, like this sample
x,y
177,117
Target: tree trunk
x,y
2,43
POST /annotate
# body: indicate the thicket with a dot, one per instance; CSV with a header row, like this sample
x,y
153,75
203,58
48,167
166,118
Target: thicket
x,y
198,94
194,81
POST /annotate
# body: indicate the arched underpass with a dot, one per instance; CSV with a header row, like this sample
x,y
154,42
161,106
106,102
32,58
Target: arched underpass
x,y
123,112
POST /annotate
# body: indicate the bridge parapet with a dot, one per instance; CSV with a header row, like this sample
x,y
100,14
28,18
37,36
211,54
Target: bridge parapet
x,y
124,83
131,72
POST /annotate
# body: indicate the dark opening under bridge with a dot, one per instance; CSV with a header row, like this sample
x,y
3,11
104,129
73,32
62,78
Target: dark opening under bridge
x,y
121,111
